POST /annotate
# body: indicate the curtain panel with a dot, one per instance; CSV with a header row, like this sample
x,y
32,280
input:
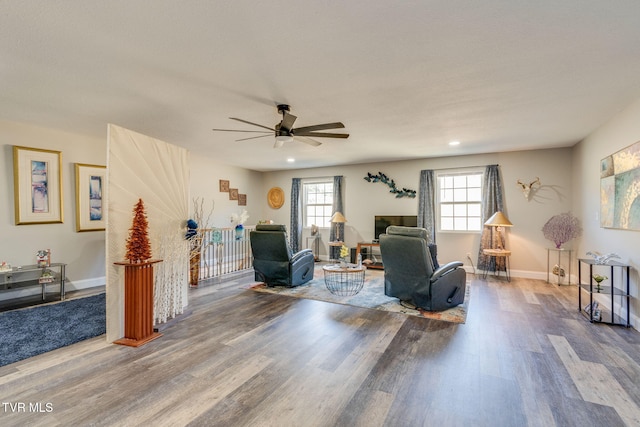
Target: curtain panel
x,y
492,202
338,206
295,230
427,204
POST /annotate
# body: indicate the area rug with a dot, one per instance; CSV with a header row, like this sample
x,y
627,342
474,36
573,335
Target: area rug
x,y
371,296
31,331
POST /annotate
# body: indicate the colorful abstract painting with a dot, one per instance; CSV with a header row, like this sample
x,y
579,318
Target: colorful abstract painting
x,y
620,189
39,193
95,198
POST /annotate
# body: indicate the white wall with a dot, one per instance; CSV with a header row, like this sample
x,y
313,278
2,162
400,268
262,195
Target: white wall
x,y
620,132
364,200
83,252
206,173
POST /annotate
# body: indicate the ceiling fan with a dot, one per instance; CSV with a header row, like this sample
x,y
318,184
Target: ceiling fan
x,y
285,132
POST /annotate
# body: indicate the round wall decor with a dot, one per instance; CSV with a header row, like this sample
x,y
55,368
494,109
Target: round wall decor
x,y
275,197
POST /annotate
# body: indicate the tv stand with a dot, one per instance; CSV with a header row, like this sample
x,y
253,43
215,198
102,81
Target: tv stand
x,y
367,254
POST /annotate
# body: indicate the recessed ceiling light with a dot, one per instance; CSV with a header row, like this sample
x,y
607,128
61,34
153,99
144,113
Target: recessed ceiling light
x,y
291,160
452,143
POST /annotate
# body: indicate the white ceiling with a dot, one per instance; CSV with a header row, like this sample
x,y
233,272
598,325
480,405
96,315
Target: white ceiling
x,y
405,77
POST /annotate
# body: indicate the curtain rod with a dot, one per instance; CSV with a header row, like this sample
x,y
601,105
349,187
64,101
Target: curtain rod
x,y
461,167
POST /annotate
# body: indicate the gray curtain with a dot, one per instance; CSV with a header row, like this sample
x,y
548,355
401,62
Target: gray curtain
x,y
338,206
295,236
427,204
492,202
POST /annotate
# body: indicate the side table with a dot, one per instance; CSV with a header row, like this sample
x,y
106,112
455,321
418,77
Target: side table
x,y
370,255
561,272
344,281
495,253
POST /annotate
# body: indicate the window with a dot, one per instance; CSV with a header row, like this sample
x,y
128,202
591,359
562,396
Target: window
x,y
460,201
318,203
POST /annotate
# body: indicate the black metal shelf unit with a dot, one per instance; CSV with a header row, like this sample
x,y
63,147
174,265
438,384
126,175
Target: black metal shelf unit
x,y
618,289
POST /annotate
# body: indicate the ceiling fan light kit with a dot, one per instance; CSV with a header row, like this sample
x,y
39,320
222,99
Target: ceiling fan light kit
x,y
285,132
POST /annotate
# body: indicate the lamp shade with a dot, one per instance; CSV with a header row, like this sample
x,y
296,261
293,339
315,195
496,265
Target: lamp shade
x,y
338,217
498,219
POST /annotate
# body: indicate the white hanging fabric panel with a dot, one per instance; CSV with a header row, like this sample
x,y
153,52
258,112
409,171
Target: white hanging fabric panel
x,y
141,167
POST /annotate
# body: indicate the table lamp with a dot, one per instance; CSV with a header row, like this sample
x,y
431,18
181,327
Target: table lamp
x,y
498,220
337,219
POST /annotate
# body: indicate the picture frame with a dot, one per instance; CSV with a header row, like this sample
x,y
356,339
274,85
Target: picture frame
x,y
233,194
90,197
37,186
224,186
242,200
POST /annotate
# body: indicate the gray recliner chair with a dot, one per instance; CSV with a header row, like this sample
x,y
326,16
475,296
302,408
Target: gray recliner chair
x,y
409,273
273,261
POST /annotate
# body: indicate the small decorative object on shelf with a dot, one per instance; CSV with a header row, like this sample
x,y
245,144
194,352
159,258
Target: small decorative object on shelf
x,y
344,254
138,247
562,228
5,267
239,220
602,259
43,257
599,279
46,277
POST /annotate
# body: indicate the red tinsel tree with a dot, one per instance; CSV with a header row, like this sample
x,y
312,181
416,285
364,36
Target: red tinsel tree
x,y
138,248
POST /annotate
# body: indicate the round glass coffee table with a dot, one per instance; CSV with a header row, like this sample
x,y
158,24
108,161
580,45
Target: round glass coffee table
x,y
344,281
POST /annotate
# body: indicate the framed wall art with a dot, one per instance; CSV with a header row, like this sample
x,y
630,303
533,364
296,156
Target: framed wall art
x,y
90,197
242,200
620,189
224,186
37,190
233,194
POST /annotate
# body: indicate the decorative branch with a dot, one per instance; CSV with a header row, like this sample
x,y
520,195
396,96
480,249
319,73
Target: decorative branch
x,y
404,192
196,228
562,228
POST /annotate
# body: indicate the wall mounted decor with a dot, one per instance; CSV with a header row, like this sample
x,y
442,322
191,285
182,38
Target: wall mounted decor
x,y
404,192
90,197
242,200
233,194
526,188
37,177
275,197
224,186
620,189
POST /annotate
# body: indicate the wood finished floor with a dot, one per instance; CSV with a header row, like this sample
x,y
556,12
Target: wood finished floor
x,y
525,357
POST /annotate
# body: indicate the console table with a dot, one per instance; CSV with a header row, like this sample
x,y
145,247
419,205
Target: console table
x,y
618,287
32,276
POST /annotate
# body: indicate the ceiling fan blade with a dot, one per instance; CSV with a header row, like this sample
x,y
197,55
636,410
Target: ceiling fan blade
x,y
287,121
250,123
278,144
322,134
253,137
336,125
238,130
309,141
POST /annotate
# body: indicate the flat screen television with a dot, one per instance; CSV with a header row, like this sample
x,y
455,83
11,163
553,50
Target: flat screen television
x,y
383,221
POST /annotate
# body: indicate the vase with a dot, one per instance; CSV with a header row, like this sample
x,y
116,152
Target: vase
x,y
239,232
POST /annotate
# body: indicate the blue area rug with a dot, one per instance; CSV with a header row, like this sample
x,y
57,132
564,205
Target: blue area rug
x,y
371,296
31,331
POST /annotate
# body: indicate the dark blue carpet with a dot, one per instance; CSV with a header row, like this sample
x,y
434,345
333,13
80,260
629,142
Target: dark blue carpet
x,y
32,331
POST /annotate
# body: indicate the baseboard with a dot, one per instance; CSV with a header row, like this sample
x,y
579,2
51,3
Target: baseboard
x,y
76,285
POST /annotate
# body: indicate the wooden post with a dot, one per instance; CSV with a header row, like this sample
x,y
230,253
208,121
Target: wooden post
x,y
138,304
